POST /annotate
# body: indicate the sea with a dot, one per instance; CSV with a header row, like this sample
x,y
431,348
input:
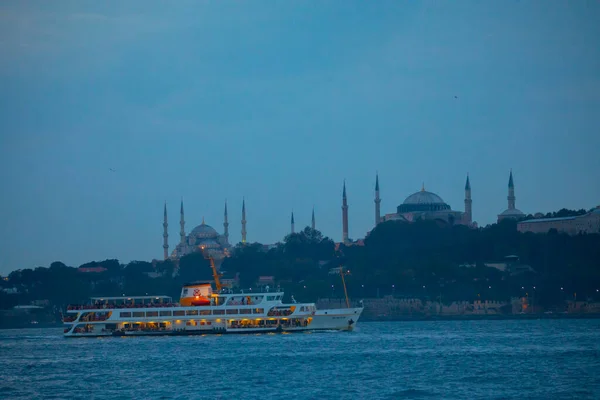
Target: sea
x,y
532,359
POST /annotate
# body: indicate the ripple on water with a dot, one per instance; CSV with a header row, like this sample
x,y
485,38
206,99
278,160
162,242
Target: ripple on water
x,y
440,359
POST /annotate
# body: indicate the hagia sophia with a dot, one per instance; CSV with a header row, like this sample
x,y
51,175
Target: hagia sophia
x,y
422,205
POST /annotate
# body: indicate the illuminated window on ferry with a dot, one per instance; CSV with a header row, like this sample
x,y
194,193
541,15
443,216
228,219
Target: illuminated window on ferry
x,y
125,314
192,312
165,313
178,313
259,311
204,312
151,313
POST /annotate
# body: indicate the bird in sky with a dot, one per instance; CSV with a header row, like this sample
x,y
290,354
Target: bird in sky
x,y
112,170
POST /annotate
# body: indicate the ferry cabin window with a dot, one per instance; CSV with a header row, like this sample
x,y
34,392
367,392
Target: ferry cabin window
x,y
204,312
270,298
138,314
259,311
191,312
125,314
178,313
232,311
165,313
151,313
218,312
246,311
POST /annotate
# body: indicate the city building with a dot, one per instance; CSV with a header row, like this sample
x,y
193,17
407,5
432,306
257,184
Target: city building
x,y
587,223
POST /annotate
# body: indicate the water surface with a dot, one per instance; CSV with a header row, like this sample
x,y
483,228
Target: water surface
x,y
539,359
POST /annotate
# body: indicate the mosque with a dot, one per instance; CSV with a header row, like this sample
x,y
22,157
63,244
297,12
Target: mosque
x,y
425,205
203,237
421,205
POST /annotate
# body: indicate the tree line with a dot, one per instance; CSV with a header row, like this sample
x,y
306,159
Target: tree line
x,y
418,260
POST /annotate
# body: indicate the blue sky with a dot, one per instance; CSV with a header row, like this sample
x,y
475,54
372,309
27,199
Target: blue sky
x,y
279,102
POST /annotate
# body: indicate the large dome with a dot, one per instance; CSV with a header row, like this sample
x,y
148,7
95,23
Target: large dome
x,y
204,231
423,201
423,197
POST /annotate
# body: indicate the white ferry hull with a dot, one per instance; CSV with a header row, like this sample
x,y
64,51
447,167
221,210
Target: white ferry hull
x,y
336,319
344,319
201,312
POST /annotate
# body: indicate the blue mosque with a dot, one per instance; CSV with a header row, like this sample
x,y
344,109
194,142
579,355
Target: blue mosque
x,y
202,238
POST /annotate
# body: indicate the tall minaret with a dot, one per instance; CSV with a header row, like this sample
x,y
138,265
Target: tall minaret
x,y
344,215
226,225
181,224
468,202
243,221
511,192
165,235
293,231
377,201
313,219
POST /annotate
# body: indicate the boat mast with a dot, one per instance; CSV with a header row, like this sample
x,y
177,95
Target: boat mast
x,y
344,284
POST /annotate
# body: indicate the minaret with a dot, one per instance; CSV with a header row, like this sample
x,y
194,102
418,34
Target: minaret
x,y
377,201
511,192
344,215
468,202
243,221
182,224
313,219
226,225
165,235
293,223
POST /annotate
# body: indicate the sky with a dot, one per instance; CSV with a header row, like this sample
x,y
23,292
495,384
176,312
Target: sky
x,y
278,102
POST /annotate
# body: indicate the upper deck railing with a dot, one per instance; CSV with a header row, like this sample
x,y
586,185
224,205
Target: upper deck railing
x,y
121,302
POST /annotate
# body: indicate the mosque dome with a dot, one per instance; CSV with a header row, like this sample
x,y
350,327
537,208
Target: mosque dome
x,y
423,201
423,197
204,231
512,213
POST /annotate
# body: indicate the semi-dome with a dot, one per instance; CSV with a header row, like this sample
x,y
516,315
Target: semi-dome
x,y
204,231
423,201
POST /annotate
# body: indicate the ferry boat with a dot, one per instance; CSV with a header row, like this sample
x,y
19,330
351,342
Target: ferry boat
x,y
203,311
